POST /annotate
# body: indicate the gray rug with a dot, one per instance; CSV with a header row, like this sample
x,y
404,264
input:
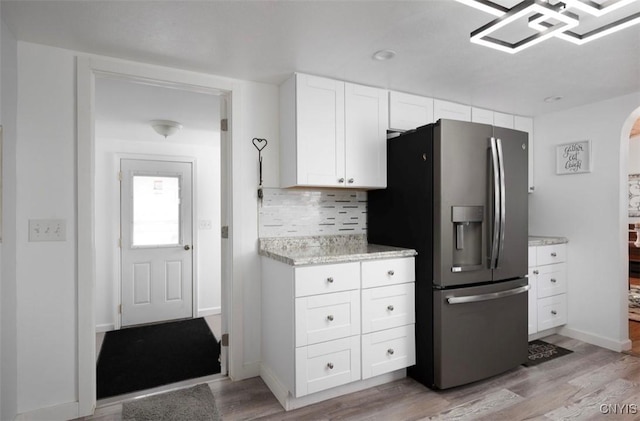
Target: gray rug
x,y
193,404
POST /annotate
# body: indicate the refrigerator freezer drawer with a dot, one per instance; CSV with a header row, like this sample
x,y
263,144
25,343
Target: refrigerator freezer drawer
x,y
388,350
479,331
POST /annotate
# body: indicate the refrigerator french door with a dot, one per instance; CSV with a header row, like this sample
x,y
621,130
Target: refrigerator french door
x,y
457,193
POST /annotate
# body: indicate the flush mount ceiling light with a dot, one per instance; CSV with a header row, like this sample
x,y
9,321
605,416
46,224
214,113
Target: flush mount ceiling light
x,y
165,127
549,20
383,55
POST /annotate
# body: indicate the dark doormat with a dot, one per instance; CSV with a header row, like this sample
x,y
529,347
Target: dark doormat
x,y
143,357
541,351
193,404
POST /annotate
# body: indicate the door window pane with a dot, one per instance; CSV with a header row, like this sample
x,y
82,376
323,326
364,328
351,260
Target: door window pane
x,y
156,211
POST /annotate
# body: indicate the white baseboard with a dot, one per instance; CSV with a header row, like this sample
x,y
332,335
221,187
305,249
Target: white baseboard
x,y
544,333
601,341
211,311
104,328
66,411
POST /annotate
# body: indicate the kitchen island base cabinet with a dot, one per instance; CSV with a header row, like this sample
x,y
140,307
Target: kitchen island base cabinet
x,y
313,317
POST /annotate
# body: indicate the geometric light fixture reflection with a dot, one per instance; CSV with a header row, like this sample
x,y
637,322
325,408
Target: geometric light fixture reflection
x,y
548,20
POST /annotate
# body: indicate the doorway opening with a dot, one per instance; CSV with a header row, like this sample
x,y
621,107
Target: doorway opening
x,y
158,214
634,236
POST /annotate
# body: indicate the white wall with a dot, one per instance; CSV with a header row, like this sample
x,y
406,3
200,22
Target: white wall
x,y
8,293
46,181
207,248
591,211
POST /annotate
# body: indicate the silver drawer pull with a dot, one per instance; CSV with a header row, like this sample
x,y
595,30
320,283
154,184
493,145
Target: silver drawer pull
x,y
341,180
535,272
330,317
554,312
350,181
390,307
553,280
330,366
554,254
330,280
391,273
390,351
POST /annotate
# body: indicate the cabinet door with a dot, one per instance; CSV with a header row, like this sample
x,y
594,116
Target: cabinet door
x,y
450,111
525,124
388,307
325,317
388,350
552,311
320,131
479,115
407,112
366,124
503,120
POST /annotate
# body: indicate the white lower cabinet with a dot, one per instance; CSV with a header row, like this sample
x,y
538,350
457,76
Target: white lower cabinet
x,y
548,281
325,326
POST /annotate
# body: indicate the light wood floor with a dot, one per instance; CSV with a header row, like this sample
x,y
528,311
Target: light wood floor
x,y
570,387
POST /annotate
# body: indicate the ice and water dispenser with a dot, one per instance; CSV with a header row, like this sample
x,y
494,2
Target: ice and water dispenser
x,y
467,234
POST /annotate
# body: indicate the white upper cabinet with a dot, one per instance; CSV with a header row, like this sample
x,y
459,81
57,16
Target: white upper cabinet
x,y
333,134
525,124
503,120
366,123
407,112
480,115
450,110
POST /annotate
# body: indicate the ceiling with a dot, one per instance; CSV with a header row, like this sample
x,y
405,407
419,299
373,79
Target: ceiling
x,y
266,41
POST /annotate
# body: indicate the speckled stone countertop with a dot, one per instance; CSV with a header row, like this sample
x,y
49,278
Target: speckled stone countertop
x,y
546,241
298,251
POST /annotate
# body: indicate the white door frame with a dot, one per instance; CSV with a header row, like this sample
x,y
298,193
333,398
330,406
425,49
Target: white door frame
x,y
87,68
194,231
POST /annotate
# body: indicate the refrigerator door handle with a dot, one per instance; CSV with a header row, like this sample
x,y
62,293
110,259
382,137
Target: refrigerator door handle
x,y
495,243
487,297
503,190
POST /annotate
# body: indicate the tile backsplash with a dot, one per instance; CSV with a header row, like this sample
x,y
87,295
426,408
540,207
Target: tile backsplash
x,y
293,213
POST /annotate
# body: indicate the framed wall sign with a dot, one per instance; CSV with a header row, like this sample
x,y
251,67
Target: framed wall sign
x,y
574,157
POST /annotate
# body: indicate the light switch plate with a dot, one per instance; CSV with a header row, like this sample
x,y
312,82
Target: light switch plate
x,y
204,224
47,230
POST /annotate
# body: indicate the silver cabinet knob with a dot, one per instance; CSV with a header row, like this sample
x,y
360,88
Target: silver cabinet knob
x,y
390,307
187,247
390,351
554,254
535,272
330,366
350,181
341,180
391,273
330,317
330,280
553,281
554,312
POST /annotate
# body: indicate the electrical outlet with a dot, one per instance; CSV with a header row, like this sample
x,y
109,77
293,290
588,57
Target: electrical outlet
x,y
204,224
47,230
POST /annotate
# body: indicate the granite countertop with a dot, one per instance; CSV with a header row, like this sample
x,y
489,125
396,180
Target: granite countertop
x,y
535,240
298,251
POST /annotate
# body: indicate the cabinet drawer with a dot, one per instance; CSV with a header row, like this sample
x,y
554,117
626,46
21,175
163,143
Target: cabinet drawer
x,y
555,253
384,272
322,279
388,350
388,307
326,365
551,280
552,311
325,317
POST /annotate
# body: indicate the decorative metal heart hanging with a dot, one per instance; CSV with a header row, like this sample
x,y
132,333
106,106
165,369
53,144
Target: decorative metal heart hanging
x,y
260,144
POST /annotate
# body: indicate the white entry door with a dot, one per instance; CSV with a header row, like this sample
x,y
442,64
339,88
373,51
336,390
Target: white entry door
x,y
157,252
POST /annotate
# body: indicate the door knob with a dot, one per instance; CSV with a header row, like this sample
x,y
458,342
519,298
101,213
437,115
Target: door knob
x,y
187,247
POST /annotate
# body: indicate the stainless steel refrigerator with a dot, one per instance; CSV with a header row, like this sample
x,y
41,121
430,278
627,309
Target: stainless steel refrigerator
x,y
457,193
